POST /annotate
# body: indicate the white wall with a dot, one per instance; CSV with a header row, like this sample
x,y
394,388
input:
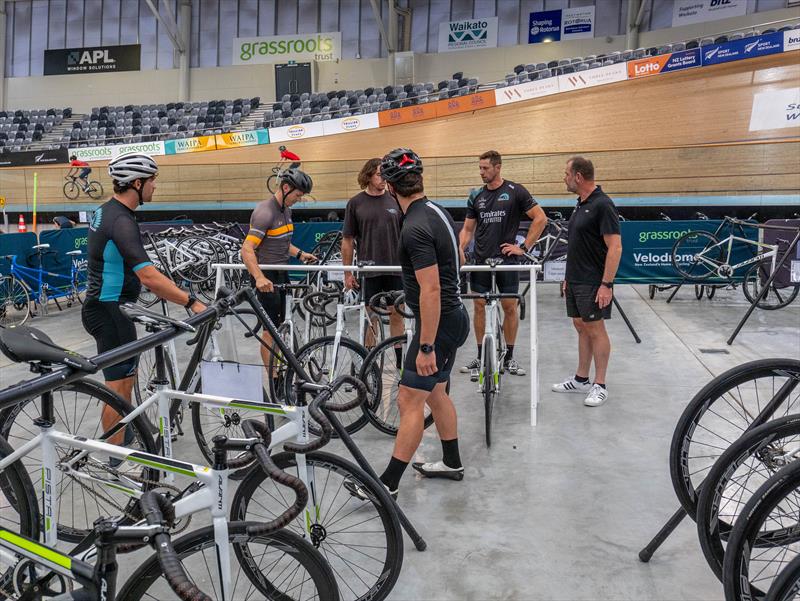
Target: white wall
x,y
82,92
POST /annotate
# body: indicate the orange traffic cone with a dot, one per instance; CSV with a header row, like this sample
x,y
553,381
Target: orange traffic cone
x,y
22,228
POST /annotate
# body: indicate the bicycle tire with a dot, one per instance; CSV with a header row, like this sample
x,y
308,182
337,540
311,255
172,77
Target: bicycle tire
x,y
15,303
94,190
14,426
71,190
272,183
748,535
382,411
689,244
699,290
330,471
686,476
651,291
315,358
488,388
762,448
147,581
786,587
711,290
278,365
18,497
755,277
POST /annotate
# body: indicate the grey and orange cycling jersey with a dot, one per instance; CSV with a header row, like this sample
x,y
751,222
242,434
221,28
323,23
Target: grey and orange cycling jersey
x,y
271,232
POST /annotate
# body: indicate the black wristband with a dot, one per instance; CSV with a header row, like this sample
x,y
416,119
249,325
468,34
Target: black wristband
x,y
192,300
523,247
299,254
608,284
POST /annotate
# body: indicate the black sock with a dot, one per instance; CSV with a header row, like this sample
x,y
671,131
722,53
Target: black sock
x,y
603,386
398,353
394,471
480,348
581,379
450,454
509,352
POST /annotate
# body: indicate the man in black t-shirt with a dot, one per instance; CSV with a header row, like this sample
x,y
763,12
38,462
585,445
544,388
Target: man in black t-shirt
x,y
594,248
372,221
429,257
493,217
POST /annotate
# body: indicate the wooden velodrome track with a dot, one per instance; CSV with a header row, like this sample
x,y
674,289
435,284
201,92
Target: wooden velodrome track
x,y
684,133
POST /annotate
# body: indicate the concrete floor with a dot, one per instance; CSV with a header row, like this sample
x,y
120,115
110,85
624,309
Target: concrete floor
x,y
561,511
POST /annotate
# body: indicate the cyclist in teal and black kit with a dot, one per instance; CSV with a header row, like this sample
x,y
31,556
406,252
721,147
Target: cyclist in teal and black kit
x,y
119,266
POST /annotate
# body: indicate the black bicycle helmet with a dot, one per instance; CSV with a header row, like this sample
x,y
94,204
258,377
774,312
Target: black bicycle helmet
x,y
400,161
281,148
73,157
297,179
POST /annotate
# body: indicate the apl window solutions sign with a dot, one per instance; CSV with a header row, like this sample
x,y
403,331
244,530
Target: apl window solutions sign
x,y
97,59
468,34
326,46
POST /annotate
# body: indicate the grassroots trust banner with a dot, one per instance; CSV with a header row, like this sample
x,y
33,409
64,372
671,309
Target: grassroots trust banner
x,y
326,46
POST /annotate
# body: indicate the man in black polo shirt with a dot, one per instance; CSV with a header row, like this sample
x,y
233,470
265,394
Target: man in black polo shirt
x,y
594,249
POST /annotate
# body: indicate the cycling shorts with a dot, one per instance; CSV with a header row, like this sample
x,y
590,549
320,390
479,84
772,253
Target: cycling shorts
x,y
110,329
274,303
507,281
453,332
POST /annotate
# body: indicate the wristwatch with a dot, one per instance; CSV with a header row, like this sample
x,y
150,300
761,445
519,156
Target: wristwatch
x,y
523,247
192,300
608,284
299,254
426,348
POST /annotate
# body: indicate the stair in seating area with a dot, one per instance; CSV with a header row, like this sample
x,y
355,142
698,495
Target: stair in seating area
x,y
254,120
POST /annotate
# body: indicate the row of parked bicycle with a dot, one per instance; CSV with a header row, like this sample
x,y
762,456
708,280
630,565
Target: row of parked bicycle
x,y
733,463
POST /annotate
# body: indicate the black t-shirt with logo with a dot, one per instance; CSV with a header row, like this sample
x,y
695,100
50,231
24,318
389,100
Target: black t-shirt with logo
x,y
374,221
498,213
586,248
428,238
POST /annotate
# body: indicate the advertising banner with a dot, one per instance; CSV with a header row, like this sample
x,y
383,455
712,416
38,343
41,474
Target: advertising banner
x,y
97,59
34,157
348,124
577,23
776,109
242,138
687,12
93,153
791,40
464,104
526,91
107,153
593,77
296,132
469,34
544,26
299,47
751,47
664,63
407,114
181,146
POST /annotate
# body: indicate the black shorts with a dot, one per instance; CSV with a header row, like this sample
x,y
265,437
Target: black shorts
x,y
110,329
581,303
381,283
507,281
274,303
453,332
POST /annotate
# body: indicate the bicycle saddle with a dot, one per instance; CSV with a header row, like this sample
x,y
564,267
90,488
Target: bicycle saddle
x,y
40,246
365,263
24,344
493,262
74,253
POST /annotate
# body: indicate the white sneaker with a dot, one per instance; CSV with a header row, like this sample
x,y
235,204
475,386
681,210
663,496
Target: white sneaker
x,y
572,385
514,368
438,469
596,397
472,368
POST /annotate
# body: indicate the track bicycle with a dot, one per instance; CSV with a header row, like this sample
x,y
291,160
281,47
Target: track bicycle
x,y
74,185
78,462
786,585
700,255
489,375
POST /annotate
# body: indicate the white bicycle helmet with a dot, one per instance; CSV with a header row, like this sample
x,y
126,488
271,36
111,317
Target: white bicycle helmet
x,y
130,167
350,297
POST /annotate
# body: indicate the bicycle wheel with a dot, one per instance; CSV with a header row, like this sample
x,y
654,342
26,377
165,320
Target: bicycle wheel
x,y
696,256
699,290
316,357
94,190
651,291
764,539
744,466
361,540
79,502
711,290
276,370
786,587
383,411
488,388
71,190
722,411
15,304
144,388
272,183
775,297
276,566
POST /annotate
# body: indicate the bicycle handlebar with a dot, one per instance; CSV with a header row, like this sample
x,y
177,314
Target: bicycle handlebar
x,y
158,510
315,303
259,430
381,301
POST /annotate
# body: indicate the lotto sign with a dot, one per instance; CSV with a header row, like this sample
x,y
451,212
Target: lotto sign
x,y
664,63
